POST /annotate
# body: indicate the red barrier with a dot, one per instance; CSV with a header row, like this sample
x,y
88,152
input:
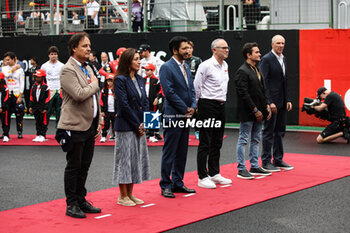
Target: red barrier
x,y
324,61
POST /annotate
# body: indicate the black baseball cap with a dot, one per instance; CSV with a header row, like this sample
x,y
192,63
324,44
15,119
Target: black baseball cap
x,y
145,47
320,91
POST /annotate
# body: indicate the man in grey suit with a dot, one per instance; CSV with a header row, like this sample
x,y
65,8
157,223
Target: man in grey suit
x,y
274,68
81,118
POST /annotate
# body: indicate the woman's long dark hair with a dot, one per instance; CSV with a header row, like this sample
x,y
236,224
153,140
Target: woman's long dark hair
x,y
125,61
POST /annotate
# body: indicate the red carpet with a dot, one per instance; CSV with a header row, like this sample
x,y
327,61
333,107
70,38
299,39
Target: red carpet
x,y
164,214
27,141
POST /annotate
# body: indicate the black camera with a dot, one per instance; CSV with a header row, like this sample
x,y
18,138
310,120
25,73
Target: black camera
x,y
307,107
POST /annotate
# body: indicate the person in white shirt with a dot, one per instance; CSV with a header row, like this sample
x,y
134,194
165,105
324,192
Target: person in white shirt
x,y
147,57
91,11
53,68
14,77
210,84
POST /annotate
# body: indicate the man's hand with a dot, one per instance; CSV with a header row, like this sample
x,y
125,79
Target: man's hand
x,y
16,67
103,114
19,100
273,108
189,112
259,116
269,111
99,127
289,106
30,110
44,111
155,102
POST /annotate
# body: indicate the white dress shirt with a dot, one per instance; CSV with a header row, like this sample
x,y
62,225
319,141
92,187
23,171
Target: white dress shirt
x,y
211,80
280,60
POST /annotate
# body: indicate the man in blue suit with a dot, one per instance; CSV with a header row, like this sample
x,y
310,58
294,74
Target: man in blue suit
x,y
180,103
274,69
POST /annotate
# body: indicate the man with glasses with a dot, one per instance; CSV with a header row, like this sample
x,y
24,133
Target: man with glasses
x,y
211,83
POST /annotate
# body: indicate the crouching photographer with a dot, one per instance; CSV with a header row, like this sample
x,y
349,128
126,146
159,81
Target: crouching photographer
x,y
339,126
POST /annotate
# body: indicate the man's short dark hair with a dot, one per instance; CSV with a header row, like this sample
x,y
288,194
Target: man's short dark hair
x,y
74,41
94,53
35,59
248,48
320,91
12,55
175,43
52,49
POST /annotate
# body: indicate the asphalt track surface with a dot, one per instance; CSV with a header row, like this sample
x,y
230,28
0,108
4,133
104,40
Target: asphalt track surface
x,y
34,174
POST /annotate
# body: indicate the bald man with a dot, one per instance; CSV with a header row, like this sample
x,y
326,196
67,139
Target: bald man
x,y
274,69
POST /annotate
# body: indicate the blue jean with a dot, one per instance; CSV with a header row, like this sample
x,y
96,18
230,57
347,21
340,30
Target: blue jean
x,y
248,130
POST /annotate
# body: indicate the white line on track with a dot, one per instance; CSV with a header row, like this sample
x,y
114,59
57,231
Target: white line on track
x,y
103,216
260,177
188,195
225,186
144,206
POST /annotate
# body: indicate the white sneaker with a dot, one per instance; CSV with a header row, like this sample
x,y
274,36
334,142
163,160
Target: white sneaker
x,y
153,139
41,139
5,139
218,179
36,139
103,139
206,183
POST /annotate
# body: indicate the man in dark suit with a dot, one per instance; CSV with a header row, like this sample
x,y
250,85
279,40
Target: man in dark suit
x,y
180,103
81,118
274,69
253,108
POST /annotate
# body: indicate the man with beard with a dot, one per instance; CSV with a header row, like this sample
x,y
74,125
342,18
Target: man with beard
x,y
180,103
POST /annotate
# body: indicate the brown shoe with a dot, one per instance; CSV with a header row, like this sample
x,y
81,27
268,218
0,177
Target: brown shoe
x,y
125,201
136,200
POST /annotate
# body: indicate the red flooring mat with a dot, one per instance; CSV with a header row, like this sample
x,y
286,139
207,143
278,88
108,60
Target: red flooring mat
x,y
27,141
160,214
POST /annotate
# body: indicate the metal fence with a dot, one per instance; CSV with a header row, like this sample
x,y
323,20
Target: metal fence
x,y
52,17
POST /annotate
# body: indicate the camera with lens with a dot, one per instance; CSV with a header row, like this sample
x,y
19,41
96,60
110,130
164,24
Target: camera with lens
x,y
307,107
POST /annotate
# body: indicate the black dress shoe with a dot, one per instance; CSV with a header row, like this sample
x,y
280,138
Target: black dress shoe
x,y
86,207
168,193
20,136
183,189
75,212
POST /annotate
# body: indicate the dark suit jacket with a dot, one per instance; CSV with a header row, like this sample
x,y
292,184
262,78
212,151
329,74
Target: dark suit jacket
x,y
250,93
178,95
130,105
276,82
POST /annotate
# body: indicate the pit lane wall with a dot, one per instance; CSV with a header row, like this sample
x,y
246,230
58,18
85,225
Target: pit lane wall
x,y
308,64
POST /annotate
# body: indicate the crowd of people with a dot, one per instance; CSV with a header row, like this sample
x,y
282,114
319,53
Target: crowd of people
x,y
89,97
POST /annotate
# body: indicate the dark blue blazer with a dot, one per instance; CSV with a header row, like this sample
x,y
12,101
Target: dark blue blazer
x,y
276,82
178,96
130,105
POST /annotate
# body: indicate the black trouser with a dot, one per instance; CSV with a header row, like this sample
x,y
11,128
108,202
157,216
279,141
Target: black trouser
x,y
12,108
78,164
40,122
107,121
210,139
4,123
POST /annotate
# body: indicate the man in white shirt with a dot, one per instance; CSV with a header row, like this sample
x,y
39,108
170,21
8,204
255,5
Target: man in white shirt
x,y
147,57
15,82
53,68
210,84
91,11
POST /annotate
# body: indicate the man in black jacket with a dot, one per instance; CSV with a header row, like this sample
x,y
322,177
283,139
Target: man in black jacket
x,y
253,108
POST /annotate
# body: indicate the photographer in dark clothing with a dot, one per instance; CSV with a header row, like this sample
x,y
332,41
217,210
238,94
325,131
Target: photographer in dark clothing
x,y
336,109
